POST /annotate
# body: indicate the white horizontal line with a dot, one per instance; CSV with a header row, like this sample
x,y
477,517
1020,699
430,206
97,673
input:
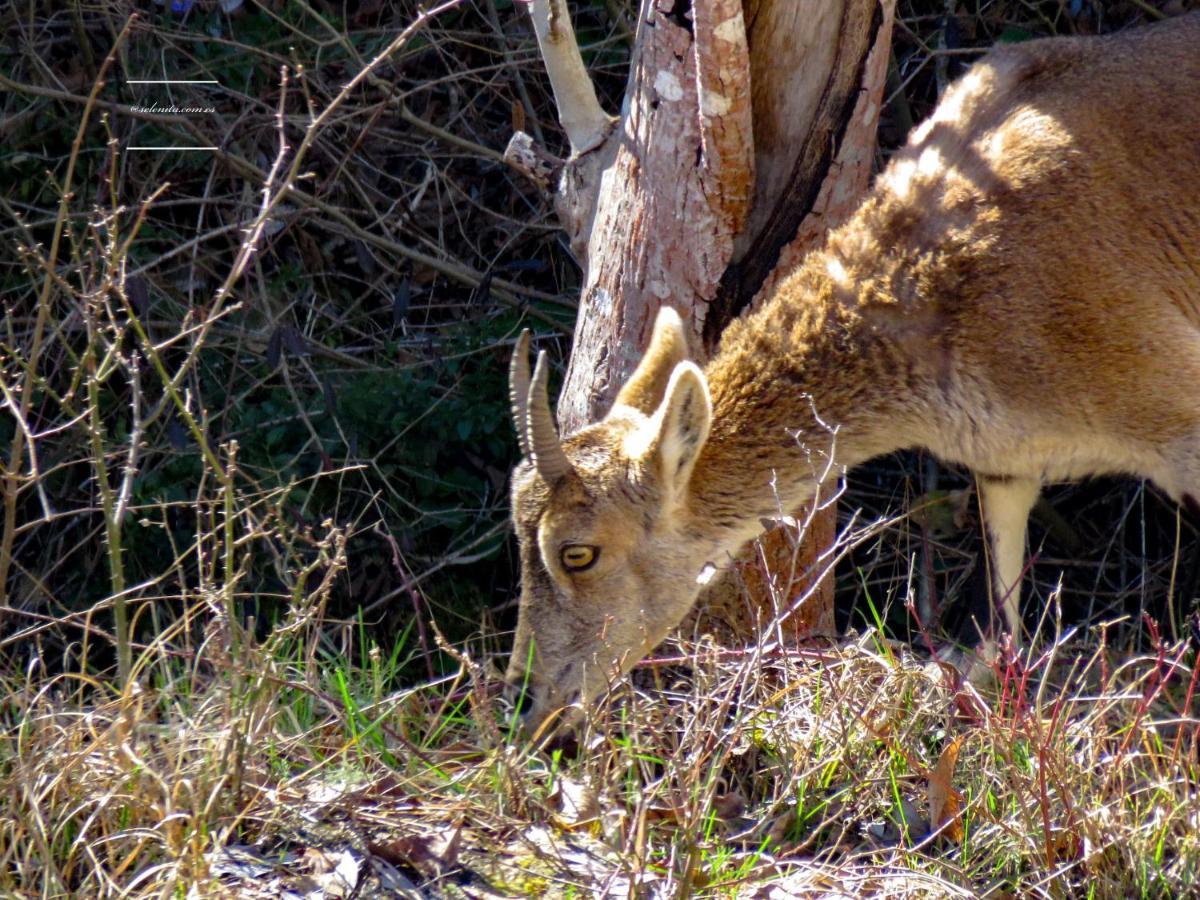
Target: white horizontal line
x,y
173,81
172,148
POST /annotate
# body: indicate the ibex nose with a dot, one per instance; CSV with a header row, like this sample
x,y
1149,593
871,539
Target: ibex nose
x,y
518,694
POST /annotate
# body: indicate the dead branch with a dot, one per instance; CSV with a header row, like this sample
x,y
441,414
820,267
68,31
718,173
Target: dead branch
x,y
584,121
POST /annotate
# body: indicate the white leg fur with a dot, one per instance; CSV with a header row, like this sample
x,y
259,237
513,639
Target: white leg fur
x,y
1005,504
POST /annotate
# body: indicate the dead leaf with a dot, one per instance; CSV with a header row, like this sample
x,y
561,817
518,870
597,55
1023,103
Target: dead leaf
x,y
729,805
430,853
780,826
1064,845
316,861
411,850
578,803
945,803
663,810
343,880
244,862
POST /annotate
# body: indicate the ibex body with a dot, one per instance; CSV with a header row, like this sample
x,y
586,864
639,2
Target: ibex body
x,y
1020,293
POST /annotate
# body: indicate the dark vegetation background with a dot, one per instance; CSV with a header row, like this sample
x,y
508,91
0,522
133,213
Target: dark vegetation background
x,y
363,370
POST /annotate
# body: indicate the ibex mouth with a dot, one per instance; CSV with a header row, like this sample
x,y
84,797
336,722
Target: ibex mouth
x,y
552,727
541,708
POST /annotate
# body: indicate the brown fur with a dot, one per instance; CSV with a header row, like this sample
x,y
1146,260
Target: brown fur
x,y
1020,294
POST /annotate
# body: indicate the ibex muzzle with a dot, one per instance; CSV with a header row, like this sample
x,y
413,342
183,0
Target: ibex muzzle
x,y
1019,294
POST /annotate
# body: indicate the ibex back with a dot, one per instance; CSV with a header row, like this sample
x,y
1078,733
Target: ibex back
x,y
1020,294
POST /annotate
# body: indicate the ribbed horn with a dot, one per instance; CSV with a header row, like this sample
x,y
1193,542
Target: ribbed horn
x,y
548,455
518,391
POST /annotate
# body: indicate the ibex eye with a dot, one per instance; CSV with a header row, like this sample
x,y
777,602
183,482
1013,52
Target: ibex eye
x,y
577,557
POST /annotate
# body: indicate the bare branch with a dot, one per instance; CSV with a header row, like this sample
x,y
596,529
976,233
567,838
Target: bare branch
x,y
579,112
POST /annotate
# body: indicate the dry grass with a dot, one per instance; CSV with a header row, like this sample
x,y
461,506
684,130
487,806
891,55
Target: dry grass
x,y
841,770
213,682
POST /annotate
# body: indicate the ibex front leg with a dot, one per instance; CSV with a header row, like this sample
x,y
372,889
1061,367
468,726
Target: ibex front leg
x,y
1004,504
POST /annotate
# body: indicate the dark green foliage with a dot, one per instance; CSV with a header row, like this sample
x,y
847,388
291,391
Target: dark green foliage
x,y
365,387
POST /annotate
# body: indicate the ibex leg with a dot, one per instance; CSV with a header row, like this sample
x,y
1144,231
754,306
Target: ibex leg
x,y
1005,503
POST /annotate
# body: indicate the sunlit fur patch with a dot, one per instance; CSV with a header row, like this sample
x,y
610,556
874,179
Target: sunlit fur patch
x,y
905,173
898,178
930,163
956,105
597,448
635,444
837,271
1029,141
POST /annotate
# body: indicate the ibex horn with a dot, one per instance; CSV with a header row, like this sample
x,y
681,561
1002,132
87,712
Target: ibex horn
x,y
548,455
518,391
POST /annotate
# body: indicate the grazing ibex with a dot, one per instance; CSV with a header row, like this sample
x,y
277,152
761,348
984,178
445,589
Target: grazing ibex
x,y
1020,294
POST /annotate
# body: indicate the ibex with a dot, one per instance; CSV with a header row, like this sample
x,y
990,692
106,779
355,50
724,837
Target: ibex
x,y
1019,294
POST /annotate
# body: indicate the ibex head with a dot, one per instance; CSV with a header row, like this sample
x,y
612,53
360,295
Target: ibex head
x,y
602,517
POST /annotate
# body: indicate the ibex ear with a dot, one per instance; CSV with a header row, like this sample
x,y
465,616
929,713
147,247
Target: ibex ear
x,y
679,427
668,347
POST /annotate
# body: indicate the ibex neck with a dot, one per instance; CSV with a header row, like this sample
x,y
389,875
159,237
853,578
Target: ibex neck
x,y
802,389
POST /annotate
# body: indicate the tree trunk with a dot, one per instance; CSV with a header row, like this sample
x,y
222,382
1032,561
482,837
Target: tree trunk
x,y
748,129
